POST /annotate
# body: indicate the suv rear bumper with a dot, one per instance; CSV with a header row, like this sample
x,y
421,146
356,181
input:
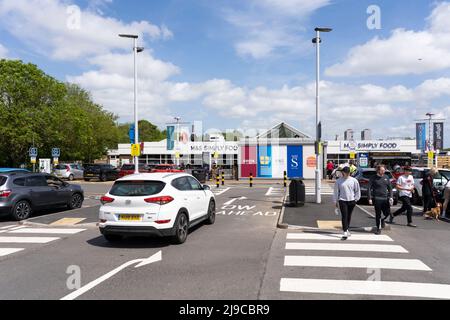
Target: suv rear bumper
x,y
137,231
5,210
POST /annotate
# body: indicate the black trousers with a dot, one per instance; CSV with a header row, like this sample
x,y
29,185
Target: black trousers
x,y
428,202
406,207
381,206
346,208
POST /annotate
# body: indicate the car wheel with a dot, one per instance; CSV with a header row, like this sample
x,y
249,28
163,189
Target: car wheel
x,y
103,177
21,211
112,237
71,177
181,229
76,201
211,213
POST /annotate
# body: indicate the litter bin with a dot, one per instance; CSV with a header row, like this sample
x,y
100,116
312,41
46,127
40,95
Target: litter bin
x,y
297,193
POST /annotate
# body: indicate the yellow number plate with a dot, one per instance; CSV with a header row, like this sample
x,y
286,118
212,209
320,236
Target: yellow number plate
x,y
130,217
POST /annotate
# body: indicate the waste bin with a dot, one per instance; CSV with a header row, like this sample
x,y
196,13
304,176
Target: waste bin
x,y
297,193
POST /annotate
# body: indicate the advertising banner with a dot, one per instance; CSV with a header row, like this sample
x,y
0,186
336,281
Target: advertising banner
x,y
438,136
421,136
248,161
363,160
295,161
265,161
279,161
170,138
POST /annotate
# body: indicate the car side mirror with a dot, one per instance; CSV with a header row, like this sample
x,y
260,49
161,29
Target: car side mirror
x,y
206,187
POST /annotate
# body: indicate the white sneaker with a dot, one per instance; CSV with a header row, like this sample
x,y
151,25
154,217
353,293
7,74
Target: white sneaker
x,y
349,234
345,235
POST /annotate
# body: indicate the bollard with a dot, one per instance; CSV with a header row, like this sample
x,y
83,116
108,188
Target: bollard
x,y
285,179
218,181
223,178
251,180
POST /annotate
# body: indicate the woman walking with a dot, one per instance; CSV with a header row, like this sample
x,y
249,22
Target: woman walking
x,y
347,193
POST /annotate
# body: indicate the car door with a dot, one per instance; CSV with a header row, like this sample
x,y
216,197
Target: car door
x,y
188,198
62,192
40,193
77,173
199,196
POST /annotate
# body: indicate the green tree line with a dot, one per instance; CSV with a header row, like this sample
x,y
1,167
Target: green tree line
x,y
36,108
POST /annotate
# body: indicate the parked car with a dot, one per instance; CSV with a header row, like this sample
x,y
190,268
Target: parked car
x,y
440,180
162,204
69,171
128,169
13,170
363,176
23,193
166,168
103,172
199,172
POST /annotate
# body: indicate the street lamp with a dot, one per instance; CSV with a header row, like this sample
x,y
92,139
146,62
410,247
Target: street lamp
x,y
136,50
317,42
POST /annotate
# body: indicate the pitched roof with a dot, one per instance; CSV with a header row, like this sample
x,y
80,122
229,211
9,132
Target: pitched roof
x,y
284,131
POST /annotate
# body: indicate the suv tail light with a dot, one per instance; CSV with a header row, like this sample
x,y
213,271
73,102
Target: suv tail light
x,y
160,200
5,194
104,200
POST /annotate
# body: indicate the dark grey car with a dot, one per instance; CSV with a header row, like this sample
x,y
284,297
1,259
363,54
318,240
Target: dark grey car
x,y
23,193
363,176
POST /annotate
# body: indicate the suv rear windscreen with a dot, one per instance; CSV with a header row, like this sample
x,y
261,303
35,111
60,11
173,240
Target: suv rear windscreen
x,y
2,180
137,188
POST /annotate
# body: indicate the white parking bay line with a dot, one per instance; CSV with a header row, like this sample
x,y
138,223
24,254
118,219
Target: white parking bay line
x,y
353,262
376,288
37,240
47,231
345,247
8,251
335,236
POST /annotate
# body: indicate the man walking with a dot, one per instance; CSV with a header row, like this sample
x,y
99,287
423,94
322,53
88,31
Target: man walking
x,y
380,194
405,185
346,194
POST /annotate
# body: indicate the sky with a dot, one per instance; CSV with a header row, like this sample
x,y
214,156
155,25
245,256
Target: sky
x,y
246,64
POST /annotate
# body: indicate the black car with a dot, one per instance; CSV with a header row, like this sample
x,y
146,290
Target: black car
x,y
23,193
363,176
199,172
103,172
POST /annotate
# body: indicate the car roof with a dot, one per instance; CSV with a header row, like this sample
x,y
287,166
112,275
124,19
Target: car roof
x,y
155,176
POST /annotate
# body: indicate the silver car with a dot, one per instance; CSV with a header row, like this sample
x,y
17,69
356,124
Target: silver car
x,y
68,171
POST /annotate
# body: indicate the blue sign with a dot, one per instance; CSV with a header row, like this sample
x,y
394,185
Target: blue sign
x,y
131,133
265,161
56,152
33,152
170,138
295,161
421,136
363,160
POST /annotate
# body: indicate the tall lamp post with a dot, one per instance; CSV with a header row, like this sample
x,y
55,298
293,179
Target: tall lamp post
x,y
319,168
136,50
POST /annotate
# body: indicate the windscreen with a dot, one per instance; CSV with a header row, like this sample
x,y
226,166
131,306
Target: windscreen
x,y
137,188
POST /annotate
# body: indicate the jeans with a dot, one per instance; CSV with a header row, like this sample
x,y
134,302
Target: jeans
x,y
381,206
346,208
406,207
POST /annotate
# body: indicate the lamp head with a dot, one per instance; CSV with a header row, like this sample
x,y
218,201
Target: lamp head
x,y
323,29
132,36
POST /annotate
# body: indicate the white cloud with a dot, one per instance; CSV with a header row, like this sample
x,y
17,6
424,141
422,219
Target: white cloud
x,y
269,27
64,36
404,52
3,51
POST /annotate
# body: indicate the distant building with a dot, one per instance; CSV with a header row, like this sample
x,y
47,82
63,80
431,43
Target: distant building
x,y
366,134
349,135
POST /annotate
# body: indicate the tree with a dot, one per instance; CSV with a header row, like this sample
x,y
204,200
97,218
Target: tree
x,y
148,132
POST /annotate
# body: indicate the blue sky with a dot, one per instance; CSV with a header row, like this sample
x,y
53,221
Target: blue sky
x,y
245,64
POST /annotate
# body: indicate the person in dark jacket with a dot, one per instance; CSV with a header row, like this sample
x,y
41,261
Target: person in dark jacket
x,y
428,191
380,194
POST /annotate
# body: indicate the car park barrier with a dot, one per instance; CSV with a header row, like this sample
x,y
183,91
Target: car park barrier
x,y
251,180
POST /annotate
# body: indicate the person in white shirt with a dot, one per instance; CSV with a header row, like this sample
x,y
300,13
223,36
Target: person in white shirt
x,y
347,193
405,186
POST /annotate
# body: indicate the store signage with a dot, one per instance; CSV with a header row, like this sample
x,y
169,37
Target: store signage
x,y
295,161
311,162
265,161
222,149
363,160
357,146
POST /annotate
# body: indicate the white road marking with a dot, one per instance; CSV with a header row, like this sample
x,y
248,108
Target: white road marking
x,y
39,240
8,251
353,262
233,200
220,191
335,236
377,288
140,263
366,211
345,247
47,231
7,227
275,192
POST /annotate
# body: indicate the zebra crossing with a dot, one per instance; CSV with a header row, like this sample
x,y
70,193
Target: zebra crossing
x,y
327,189
11,236
315,252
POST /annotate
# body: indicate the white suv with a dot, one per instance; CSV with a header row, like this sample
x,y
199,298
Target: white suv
x,y
162,204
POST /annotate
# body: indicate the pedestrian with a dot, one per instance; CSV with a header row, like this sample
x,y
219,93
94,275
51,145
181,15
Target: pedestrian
x,y
446,199
353,169
381,195
346,194
405,185
428,191
330,168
